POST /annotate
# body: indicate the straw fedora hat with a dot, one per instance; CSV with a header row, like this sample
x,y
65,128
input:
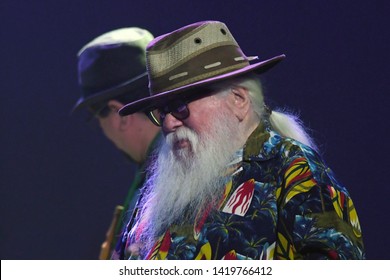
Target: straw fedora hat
x,y
193,56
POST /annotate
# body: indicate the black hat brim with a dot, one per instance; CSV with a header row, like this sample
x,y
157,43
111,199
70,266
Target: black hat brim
x,y
136,83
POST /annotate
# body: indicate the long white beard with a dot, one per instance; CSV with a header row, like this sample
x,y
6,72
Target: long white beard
x,y
185,182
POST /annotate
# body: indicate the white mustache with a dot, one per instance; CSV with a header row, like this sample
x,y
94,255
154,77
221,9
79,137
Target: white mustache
x,y
182,133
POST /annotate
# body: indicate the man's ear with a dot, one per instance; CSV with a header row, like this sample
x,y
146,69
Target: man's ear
x,y
239,102
122,122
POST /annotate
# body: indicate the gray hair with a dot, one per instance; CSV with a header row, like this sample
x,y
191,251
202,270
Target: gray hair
x,y
285,123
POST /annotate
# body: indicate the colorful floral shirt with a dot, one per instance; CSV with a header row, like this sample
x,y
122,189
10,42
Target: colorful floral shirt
x,y
282,202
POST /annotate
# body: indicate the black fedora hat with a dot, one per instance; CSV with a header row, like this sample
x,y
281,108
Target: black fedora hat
x,y
113,64
193,56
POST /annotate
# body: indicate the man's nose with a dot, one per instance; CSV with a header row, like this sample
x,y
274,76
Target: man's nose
x,y
170,124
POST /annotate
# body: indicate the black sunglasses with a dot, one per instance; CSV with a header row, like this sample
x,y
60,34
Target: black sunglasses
x,y
98,111
177,108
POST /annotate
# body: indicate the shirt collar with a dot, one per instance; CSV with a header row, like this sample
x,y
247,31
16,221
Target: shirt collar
x,y
260,145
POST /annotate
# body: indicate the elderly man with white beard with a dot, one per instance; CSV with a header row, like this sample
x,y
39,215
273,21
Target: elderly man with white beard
x,y
233,179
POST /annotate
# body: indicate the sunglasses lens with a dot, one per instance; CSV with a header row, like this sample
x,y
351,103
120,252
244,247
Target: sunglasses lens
x,y
181,112
100,111
104,112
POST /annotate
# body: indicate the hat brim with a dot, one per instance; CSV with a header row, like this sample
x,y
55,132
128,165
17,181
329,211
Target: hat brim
x,y
152,102
132,84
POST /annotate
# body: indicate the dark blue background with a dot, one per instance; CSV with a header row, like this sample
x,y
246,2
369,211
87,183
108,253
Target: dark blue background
x,y
60,177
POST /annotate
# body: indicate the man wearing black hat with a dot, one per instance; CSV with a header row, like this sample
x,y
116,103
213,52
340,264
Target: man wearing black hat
x,y
112,72
233,179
